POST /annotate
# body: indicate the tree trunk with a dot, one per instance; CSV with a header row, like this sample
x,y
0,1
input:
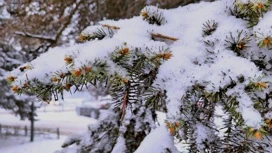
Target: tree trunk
x,y
32,122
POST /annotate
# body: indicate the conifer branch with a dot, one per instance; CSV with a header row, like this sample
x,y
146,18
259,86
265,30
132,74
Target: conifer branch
x,y
153,15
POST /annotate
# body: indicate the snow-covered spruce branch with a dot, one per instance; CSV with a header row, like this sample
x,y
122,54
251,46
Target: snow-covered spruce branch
x,y
103,30
213,82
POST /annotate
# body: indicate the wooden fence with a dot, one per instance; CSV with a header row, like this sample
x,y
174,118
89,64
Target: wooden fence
x,y
25,131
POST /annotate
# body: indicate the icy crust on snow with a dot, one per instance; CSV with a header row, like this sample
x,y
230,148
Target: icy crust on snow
x,y
190,64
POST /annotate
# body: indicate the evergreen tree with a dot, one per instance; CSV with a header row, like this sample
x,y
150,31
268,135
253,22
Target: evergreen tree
x,y
223,75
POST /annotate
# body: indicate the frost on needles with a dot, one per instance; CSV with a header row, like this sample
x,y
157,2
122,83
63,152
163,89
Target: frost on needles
x,y
207,65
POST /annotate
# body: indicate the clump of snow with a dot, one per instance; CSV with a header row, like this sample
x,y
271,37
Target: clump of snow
x,y
71,140
264,27
93,31
157,141
252,119
119,148
151,12
203,134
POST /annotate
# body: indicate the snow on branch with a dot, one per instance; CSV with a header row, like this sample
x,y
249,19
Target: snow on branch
x,y
218,66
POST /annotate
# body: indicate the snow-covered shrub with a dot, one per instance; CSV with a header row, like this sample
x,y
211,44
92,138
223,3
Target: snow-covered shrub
x,y
206,67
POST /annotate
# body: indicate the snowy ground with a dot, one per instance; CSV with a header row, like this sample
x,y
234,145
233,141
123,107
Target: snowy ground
x,y
68,122
20,144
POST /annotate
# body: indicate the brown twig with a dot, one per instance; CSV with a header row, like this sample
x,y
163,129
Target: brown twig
x,y
163,36
124,105
110,26
27,34
69,19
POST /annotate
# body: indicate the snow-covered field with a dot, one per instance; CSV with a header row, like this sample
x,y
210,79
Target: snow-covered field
x,y
68,122
20,144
